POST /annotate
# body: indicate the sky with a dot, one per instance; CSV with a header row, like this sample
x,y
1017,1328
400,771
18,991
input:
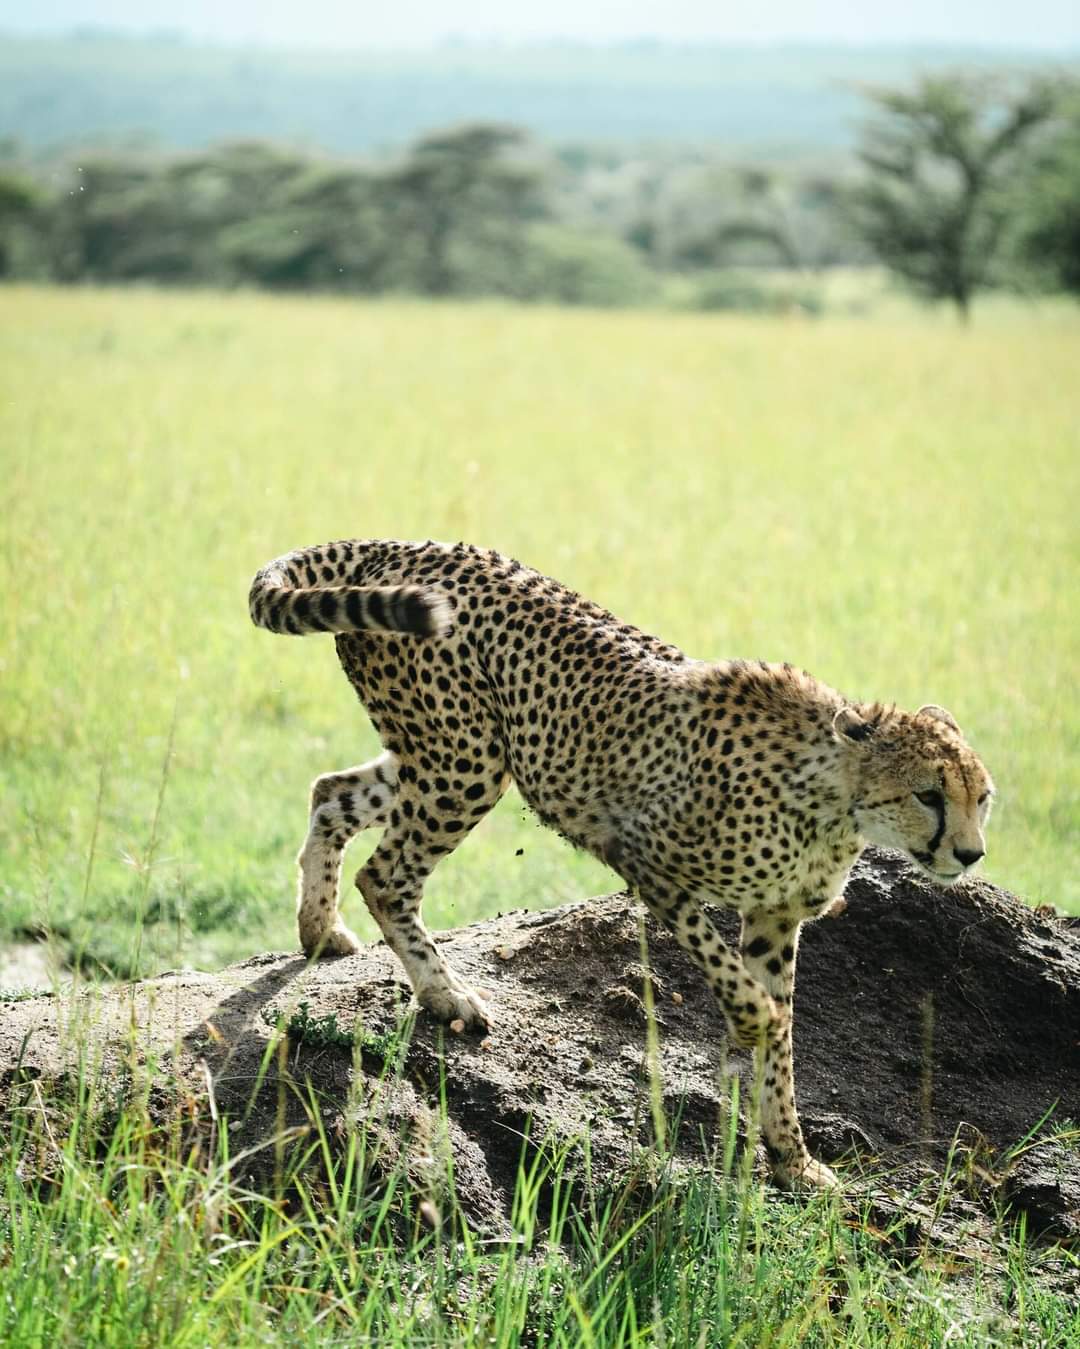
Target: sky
x,y
1043,24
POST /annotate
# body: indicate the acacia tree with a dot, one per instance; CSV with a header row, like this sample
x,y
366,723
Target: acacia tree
x,y
934,205
1048,205
18,199
465,184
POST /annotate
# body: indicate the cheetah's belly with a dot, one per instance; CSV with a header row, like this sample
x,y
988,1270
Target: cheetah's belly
x,y
803,894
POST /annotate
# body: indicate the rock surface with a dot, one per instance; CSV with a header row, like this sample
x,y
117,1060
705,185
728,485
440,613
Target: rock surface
x,y
918,1013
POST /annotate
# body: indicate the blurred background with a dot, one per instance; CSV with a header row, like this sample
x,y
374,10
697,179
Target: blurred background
x,y
689,154
757,324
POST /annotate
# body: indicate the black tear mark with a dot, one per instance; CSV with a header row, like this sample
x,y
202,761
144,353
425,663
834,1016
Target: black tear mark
x,y
935,842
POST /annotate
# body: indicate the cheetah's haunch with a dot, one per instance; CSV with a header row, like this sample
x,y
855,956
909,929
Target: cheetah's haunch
x,y
745,784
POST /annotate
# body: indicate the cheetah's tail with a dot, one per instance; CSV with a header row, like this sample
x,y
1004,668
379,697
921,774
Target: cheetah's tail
x,y
281,602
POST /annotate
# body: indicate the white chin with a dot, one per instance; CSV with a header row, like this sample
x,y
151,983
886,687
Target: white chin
x,y
942,878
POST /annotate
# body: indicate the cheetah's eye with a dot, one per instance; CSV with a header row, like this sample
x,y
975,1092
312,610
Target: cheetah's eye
x,y
933,799
984,798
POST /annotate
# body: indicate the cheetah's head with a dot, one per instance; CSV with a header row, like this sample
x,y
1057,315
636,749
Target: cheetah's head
x,y
918,786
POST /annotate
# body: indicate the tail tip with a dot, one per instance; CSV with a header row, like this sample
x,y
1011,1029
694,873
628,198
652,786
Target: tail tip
x,y
425,613
438,613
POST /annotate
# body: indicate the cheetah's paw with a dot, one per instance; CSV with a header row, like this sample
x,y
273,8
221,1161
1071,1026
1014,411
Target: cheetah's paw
x,y
454,1005
339,941
810,1175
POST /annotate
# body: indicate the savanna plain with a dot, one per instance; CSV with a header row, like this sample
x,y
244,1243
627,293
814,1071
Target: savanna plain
x,y
888,500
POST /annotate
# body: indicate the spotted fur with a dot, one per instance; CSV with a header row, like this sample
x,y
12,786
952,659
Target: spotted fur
x,y
747,784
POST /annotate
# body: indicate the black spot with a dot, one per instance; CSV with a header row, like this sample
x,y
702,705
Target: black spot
x,y
758,947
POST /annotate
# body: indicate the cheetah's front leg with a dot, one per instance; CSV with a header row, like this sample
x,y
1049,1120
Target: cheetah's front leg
x,y
768,950
750,1011
755,994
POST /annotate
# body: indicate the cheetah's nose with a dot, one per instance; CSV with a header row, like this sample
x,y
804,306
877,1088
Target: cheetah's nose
x,y
967,857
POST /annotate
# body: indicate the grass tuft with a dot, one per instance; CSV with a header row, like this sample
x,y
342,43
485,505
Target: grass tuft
x,y
147,1232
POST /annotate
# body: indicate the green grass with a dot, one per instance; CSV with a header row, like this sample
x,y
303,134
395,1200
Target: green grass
x,y
890,502
122,1225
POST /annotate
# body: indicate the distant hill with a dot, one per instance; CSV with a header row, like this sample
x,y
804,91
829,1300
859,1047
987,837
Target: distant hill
x,y
782,101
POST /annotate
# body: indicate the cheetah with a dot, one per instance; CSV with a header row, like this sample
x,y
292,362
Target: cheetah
x,y
747,784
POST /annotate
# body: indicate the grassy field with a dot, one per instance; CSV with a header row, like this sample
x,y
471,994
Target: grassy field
x,y
890,502
892,505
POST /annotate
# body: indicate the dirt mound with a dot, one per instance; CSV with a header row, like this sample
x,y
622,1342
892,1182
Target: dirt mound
x,y
919,1013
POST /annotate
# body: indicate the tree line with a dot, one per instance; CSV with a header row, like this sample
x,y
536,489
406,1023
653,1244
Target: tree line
x,y
961,183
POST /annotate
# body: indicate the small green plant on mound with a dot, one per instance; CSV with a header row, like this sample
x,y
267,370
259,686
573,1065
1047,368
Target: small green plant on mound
x,y
25,994
318,1032
322,1032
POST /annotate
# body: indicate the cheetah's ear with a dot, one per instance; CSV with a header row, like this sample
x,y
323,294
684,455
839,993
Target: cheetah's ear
x,y
848,724
939,714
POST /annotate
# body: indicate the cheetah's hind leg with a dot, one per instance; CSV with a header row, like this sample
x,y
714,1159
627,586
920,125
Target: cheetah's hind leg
x,y
341,805
392,879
